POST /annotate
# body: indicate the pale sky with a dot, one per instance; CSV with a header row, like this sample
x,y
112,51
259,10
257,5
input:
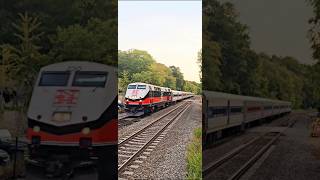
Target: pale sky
x,y
171,31
278,27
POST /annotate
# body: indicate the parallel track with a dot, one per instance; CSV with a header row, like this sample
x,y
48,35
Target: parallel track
x,y
134,145
227,167
239,160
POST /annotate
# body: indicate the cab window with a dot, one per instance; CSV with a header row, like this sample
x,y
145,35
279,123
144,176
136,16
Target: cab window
x,y
50,78
141,87
132,86
90,79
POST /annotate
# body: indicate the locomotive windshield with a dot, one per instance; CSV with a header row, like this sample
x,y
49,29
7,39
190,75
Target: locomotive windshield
x,y
90,79
141,87
132,86
54,78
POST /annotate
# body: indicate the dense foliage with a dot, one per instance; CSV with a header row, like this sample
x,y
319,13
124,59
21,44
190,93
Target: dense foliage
x,y
314,34
35,33
230,65
139,66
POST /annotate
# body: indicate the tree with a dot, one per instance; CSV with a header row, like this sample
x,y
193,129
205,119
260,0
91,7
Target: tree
x,y
93,42
123,82
141,67
314,34
230,65
134,61
146,77
22,63
190,86
54,13
228,42
211,61
179,77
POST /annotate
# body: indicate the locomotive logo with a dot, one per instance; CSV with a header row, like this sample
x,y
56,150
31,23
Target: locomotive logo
x,y
134,93
66,97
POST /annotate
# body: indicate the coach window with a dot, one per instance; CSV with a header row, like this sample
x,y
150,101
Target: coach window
x,y
50,78
90,79
236,110
217,111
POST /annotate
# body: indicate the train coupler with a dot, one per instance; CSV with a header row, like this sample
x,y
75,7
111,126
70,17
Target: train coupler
x,y
58,168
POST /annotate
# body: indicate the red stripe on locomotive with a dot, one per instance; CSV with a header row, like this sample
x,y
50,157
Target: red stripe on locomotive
x,y
105,134
150,100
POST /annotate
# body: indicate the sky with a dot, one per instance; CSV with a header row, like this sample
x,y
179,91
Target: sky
x,y
171,31
278,26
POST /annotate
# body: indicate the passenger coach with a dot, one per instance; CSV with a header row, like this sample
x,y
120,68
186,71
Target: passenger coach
x,y
222,112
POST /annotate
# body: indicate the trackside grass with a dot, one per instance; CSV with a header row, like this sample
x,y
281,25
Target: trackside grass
x,y
194,156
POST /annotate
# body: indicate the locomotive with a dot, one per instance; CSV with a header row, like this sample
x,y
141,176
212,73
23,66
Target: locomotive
x,y
222,111
146,98
72,115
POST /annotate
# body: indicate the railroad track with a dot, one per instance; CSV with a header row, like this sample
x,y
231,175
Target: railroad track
x,y
235,163
136,147
127,121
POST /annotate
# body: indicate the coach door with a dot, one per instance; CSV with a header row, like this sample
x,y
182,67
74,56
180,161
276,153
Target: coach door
x,y
228,113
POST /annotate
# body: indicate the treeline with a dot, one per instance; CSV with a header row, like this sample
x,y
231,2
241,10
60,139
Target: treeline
x,y
139,66
35,33
230,65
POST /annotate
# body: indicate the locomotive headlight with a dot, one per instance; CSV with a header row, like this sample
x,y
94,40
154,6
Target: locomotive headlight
x,y
61,116
36,129
140,100
85,130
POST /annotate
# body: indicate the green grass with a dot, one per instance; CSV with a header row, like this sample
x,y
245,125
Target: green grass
x,y
194,156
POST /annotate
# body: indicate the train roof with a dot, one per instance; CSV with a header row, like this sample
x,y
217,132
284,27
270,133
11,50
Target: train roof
x,y
70,65
153,86
141,83
162,88
240,97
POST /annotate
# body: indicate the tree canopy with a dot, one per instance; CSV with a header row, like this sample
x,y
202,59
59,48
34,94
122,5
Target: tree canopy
x,y
36,33
230,65
139,66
